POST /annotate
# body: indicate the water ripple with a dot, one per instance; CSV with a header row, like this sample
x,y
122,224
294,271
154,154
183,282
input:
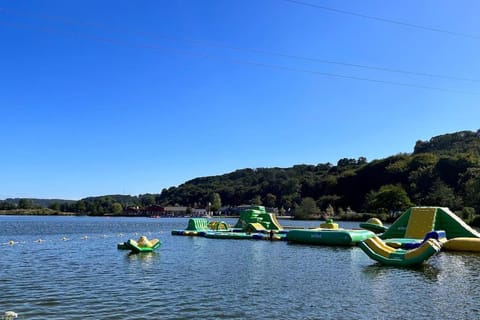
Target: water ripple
x,y
87,277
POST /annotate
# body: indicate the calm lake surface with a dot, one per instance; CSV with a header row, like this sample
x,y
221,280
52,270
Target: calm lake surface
x,y
86,277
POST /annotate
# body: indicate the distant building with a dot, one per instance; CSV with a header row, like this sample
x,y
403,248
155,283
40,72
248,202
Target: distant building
x,y
132,211
175,211
199,212
153,211
160,211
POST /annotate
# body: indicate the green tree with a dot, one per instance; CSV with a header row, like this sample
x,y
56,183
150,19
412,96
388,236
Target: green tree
x,y
451,168
423,160
286,201
54,206
388,198
5,205
256,201
328,199
270,200
117,208
467,214
25,204
215,202
472,191
147,200
442,195
81,206
290,187
306,209
329,212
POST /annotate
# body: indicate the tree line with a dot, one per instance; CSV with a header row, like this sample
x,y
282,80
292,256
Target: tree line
x,y
443,171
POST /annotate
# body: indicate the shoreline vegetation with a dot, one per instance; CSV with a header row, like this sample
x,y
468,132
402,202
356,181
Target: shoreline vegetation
x,y
357,217
36,212
443,171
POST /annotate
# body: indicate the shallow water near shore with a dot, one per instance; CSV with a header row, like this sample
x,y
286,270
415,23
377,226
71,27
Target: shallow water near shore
x,y
70,268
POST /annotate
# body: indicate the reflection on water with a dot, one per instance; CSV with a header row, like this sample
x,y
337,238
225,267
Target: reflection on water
x,y
376,271
191,277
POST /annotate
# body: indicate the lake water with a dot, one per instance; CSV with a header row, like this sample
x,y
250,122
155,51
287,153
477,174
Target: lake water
x,y
86,277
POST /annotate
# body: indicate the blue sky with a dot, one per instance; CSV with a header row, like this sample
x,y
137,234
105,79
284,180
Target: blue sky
x,y
130,97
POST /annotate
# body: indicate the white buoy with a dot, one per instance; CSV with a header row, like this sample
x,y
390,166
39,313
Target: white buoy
x,y
9,315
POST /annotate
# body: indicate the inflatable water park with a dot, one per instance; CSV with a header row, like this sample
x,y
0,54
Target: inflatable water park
x,y
416,235
254,223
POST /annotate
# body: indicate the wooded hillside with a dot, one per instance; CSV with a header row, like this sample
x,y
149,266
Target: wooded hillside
x,y
443,171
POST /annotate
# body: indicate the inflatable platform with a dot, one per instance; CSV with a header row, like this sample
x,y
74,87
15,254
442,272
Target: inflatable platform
x,y
330,237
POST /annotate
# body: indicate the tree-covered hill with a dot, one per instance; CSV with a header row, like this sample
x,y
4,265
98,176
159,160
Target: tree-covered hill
x,y
460,142
443,171
29,203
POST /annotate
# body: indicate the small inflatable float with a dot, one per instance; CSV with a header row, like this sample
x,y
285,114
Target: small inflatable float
x,y
142,245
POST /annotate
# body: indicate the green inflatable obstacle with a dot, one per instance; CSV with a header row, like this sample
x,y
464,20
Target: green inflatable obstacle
x,y
416,222
197,224
256,216
198,227
194,228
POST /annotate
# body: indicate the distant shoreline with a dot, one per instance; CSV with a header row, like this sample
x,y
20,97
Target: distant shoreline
x,y
49,212
35,212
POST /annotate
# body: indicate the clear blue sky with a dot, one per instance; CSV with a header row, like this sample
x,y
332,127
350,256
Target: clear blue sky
x,y
130,97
